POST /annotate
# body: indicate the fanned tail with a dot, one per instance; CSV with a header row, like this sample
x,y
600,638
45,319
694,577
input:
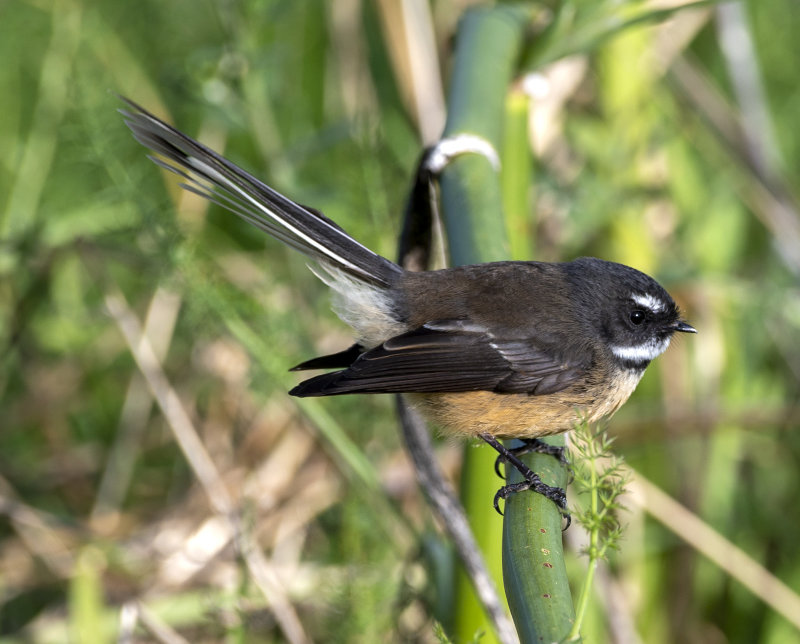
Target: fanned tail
x,y
217,179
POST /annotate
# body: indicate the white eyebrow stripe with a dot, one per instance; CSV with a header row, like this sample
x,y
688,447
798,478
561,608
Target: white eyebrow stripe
x,y
648,302
641,352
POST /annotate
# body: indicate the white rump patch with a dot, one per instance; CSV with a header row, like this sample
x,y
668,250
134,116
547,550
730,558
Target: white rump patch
x,y
641,352
366,308
649,302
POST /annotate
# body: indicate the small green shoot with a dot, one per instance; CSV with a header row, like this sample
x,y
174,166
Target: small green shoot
x,y
602,476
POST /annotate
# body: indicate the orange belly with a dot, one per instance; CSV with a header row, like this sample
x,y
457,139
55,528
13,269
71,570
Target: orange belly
x,y
522,415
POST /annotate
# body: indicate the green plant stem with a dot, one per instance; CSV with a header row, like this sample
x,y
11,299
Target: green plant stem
x,y
487,47
535,575
516,175
487,51
583,600
594,557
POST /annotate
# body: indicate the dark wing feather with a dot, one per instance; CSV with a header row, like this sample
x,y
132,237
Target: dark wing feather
x,y
447,357
333,361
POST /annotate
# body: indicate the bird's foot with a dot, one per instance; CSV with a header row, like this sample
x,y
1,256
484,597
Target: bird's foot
x,y
534,445
532,481
556,494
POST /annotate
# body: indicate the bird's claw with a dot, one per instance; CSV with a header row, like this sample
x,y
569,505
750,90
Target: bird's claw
x,y
555,494
540,447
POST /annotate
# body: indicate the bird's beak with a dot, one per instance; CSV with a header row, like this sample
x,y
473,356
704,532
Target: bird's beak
x,y
684,327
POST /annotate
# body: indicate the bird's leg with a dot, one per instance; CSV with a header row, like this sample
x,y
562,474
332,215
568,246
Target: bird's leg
x,y
531,482
532,445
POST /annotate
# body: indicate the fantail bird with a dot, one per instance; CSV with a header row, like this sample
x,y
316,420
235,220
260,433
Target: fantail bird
x,y
498,350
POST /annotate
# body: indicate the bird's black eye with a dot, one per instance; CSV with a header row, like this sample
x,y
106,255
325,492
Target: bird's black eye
x,y
637,317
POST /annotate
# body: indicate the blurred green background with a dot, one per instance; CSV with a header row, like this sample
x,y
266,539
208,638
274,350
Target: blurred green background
x,y
672,146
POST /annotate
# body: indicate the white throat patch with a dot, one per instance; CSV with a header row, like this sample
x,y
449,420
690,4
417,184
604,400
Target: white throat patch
x,y
641,352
